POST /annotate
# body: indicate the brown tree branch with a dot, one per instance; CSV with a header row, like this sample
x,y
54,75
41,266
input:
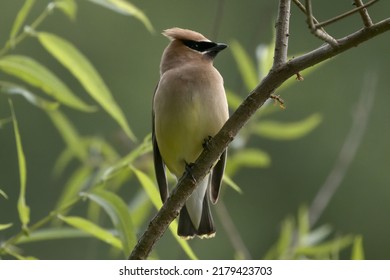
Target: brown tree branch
x,y
319,33
251,104
282,28
347,14
363,13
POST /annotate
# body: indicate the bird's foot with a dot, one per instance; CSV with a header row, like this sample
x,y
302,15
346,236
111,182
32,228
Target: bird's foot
x,y
188,169
206,142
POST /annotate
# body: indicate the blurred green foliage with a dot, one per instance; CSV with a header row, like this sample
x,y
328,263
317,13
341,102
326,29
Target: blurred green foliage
x,y
97,173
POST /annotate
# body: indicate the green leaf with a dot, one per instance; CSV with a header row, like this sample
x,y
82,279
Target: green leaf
x,y
265,55
34,73
303,223
126,8
92,229
229,181
140,207
245,65
281,248
326,248
3,194
357,249
151,190
253,158
119,215
45,234
287,131
149,187
87,75
144,148
68,7
5,226
68,133
15,252
286,236
23,209
5,121
74,185
20,18
317,235
42,103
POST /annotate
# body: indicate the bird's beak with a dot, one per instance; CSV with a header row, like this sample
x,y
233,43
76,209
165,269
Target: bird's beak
x,y
219,47
212,52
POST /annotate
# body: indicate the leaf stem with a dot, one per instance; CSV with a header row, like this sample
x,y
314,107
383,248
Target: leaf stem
x,y
11,43
14,239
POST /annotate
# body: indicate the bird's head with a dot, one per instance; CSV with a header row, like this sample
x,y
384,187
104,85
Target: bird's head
x,y
188,46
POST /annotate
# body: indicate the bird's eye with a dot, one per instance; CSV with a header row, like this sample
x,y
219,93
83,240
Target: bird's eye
x,y
200,46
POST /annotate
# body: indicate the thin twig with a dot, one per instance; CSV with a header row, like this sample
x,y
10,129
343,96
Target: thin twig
x,y
315,21
282,33
363,13
319,33
217,19
348,150
231,231
346,14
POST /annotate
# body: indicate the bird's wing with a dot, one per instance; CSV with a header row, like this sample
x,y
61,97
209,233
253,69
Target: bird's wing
x,y
216,178
159,165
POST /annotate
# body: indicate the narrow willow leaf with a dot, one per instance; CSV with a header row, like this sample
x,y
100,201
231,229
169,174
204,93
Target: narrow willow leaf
x,y
87,75
149,187
5,226
35,100
35,74
23,209
45,234
265,55
126,161
92,229
5,121
74,185
357,249
119,215
253,158
3,194
329,247
229,181
280,249
68,133
287,131
63,160
20,18
317,235
140,207
303,224
286,235
68,7
15,252
126,8
245,65
151,190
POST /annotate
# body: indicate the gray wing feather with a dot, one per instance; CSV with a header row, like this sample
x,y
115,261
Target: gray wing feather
x,y
216,177
159,165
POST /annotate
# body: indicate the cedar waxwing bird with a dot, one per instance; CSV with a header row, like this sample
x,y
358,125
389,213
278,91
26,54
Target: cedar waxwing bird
x,y
189,106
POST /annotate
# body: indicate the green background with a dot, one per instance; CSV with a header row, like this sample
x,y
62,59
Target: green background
x,y
127,56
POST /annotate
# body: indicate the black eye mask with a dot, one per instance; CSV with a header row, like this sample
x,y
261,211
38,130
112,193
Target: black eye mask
x,y
200,46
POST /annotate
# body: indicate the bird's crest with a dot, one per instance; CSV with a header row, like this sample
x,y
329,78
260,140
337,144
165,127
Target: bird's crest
x,y
176,33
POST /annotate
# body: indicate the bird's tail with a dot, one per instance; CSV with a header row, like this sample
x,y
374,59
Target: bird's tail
x,y
195,216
